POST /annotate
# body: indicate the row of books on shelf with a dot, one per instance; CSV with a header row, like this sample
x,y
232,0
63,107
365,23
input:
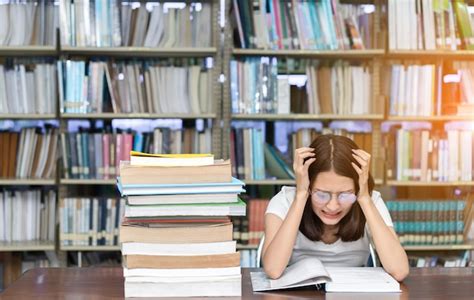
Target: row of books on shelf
x,y
90,154
125,23
440,261
337,88
134,86
423,155
431,89
27,215
248,258
254,159
430,222
429,25
30,153
28,87
28,23
90,221
248,230
322,25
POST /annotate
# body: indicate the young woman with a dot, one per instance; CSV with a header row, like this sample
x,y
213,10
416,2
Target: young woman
x,y
332,213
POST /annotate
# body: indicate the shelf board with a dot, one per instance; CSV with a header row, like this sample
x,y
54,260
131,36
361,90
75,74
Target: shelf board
x,y
140,51
27,116
89,248
100,116
65,181
13,181
270,182
26,246
439,247
432,183
247,247
430,118
429,53
369,53
28,51
293,117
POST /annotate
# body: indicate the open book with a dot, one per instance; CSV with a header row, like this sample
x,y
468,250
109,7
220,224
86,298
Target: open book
x,y
310,271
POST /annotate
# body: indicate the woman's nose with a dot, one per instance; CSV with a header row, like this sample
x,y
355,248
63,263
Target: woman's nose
x,y
333,204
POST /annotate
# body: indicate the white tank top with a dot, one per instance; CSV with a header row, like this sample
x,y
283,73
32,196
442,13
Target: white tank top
x,y
337,254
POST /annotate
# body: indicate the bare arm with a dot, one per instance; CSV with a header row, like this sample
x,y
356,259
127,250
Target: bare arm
x,y
280,235
391,253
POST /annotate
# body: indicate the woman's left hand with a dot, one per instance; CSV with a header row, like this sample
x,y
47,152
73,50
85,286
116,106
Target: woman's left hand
x,y
363,158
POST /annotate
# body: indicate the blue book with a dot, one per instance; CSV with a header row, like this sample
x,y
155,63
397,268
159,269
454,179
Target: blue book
x,y
169,189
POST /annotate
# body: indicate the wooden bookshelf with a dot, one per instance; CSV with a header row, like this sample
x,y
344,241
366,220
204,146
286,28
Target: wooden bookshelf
x,y
428,184
65,181
247,247
90,248
270,182
19,181
459,247
27,246
431,118
139,51
99,116
301,117
28,117
414,54
360,54
28,51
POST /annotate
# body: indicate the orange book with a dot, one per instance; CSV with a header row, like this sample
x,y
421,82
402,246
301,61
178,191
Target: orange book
x,y
181,262
193,233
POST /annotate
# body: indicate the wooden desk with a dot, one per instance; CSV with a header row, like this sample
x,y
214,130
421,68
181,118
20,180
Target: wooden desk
x,y
107,283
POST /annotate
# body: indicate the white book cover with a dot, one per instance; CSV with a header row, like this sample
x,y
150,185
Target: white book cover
x,y
228,271
184,279
186,249
193,289
283,106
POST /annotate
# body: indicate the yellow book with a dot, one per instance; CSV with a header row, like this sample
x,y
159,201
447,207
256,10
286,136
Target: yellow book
x,y
169,160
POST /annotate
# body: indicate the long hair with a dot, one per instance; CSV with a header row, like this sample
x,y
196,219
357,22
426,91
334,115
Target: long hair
x,y
334,152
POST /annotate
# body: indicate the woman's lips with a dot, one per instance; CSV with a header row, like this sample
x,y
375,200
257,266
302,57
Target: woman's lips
x,y
331,215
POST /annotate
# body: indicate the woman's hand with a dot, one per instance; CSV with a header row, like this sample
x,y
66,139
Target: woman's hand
x,y
363,158
300,166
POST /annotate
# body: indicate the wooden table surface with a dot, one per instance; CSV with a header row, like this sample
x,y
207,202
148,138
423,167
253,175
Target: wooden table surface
x,y
107,283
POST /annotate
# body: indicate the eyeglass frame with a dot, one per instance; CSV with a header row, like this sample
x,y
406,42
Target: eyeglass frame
x,y
312,194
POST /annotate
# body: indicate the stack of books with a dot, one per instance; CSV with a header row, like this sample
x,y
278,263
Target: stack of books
x,y
176,231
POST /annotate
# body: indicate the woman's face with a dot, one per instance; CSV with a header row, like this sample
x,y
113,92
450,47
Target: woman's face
x,y
341,196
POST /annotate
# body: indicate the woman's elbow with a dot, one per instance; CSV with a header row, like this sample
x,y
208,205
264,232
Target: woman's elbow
x,y
401,273
272,273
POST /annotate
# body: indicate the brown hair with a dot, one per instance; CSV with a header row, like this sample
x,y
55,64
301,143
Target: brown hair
x,y
334,152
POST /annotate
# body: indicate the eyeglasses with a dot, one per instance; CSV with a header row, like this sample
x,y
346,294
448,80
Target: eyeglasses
x,y
344,198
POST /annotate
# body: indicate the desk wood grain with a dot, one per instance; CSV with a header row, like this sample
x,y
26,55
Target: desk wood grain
x,y
107,283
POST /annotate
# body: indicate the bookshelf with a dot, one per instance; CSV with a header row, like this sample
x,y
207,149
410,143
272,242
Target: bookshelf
x,y
109,116
19,182
139,51
222,53
28,117
26,246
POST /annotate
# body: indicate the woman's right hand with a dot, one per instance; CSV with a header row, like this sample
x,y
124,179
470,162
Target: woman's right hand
x,y
300,166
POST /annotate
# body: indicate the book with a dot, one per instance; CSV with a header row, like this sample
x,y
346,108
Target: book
x,y
310,271
219,171
185,262
182,199
175,232
167,189
196,272
170,160
222,286
182,249
201,209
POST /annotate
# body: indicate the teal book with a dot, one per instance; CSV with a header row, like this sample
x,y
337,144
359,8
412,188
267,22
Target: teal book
x,y
167,189
199,209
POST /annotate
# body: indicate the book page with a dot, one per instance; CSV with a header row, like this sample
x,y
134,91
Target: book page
x,y
360,280
307,271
